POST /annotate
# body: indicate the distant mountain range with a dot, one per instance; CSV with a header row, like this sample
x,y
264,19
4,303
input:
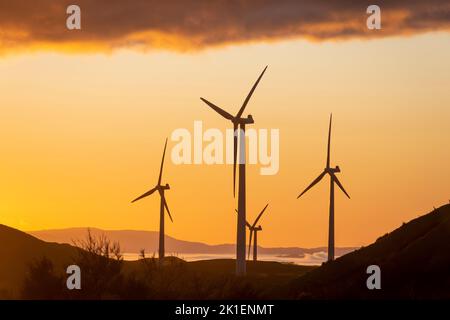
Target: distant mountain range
x,y
133,241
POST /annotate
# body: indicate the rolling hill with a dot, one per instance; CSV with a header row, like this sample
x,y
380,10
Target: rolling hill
x,y
22,249
414,261
19,249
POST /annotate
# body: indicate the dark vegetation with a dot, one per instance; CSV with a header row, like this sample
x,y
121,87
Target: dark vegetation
x,y
106,276
414,261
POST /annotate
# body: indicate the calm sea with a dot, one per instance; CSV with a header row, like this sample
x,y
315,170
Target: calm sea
x,y
307,260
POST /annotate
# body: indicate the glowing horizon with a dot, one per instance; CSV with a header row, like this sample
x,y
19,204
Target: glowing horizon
x,y
83,134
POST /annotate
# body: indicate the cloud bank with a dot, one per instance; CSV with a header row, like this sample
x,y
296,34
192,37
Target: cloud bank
x,y
197,24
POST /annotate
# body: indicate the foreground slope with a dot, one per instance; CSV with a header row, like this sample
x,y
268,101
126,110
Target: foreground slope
x,y
414,261
18,250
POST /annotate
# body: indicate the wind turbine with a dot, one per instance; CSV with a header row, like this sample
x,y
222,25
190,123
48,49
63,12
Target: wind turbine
x,y
254,229
160,188
239,125
333,180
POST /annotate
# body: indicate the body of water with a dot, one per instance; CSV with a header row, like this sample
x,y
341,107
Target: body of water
x,y
308,259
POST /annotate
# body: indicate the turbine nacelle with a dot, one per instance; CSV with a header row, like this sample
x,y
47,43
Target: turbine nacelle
x,y
248,120
333,170
258,228
166,187
243,121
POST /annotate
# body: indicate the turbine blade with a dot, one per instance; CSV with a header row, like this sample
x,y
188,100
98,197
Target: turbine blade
x,y
336,180
219,110
246,222
235,143
241,111
250,243
167,208
259,216
162,164
329,141
144,195
313,183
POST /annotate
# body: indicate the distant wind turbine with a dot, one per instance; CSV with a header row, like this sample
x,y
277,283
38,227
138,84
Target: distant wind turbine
x,y
239,125
333,180
254,230
160,188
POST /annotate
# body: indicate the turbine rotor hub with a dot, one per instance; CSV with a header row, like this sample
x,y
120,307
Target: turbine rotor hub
x,y
248,120
333,170
165,187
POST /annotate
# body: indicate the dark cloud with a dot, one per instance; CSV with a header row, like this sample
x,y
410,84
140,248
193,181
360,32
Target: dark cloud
x,y
196,24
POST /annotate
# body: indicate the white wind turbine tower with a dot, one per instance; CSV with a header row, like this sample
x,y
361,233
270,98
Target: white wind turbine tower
x,y
160,188
333,180
239,123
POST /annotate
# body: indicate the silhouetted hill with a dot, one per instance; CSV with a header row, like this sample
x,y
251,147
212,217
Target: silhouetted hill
x,y
18,249
414,261
215,279
132,241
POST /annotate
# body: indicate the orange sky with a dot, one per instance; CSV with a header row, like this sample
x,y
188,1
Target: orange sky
x,y
82,135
